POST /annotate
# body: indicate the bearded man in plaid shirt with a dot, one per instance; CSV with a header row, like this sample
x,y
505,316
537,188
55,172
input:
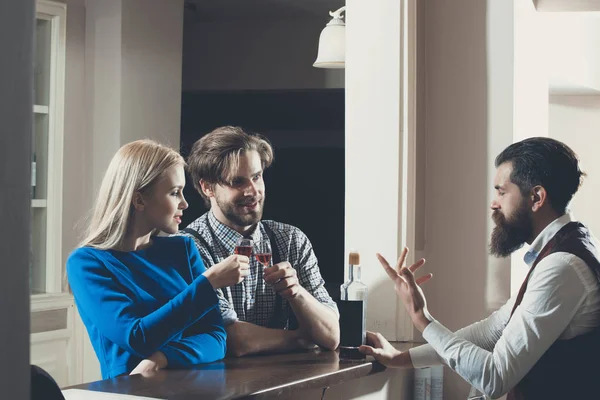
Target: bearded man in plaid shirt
x,y
276,309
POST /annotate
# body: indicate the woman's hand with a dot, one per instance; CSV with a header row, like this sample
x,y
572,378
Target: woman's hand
x,y
151,364
408,288
228,272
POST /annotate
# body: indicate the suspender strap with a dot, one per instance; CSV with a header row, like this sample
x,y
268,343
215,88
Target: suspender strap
x,y
276,260
197,236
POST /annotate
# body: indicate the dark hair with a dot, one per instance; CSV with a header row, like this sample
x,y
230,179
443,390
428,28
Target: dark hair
x,y
215,156
545,162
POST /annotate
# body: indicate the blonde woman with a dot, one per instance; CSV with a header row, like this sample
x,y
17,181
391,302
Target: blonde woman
x,y
147,301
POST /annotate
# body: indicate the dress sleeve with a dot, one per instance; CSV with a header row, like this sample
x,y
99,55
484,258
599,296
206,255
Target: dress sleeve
x,y
110,306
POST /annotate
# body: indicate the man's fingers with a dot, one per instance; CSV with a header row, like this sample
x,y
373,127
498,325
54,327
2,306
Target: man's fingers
x,y
417,265
371,351
281,265
408,276
284,284
271,276
386,266
401,259
366,350
424,279
377,354
373,339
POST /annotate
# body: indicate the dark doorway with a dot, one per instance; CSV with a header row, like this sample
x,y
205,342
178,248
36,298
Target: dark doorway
x,y
305,184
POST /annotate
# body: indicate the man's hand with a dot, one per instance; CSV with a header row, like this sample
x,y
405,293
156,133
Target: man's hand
x,y
244,338
384,352
283,278
151,364
408,289
228,272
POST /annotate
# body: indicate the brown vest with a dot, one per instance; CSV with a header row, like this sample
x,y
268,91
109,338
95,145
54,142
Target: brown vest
x,y
569,369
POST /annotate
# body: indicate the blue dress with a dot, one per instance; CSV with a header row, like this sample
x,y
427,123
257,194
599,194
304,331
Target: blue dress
x,y
138,302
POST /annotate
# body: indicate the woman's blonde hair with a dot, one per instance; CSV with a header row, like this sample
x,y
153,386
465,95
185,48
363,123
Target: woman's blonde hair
x,y
134,168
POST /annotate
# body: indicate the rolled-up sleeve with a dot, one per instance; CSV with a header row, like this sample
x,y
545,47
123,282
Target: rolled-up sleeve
x,y
309,274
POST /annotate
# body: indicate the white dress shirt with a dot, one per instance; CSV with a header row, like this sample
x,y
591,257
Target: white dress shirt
x,y
562,301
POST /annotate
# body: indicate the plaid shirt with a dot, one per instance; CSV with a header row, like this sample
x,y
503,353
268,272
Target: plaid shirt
x,y
253,300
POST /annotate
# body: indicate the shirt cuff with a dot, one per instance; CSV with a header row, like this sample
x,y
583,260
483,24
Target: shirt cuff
x,y
424,356
438,336
171,355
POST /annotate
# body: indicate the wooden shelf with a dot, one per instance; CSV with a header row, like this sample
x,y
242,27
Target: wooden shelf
x,y
37,109
38,203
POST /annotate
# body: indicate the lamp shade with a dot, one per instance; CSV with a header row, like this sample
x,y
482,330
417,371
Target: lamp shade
x,y
332,45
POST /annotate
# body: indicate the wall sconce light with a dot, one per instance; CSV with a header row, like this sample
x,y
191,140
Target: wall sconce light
x,y
332,43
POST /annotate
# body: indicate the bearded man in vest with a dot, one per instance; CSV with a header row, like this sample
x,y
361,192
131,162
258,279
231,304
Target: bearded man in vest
x,y
543,343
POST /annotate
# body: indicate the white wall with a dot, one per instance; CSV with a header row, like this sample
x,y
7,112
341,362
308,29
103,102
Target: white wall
x,y
466,119
235,55
567,5
575,120
572,41
133,75
151,51
16,105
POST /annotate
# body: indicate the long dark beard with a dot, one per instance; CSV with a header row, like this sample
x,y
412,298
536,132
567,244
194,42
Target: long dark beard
x,y
510,234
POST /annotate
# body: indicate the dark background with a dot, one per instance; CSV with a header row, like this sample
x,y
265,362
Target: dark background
x,y
305,184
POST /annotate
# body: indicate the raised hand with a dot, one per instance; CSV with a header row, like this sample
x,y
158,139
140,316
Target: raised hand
x,y
228,272
408,288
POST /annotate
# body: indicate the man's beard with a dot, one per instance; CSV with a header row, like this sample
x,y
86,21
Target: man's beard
x,y
251,218
511,233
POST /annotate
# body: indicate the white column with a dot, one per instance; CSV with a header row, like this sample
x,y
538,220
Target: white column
x,y
16,114
530,96
374,123
500,109
103,82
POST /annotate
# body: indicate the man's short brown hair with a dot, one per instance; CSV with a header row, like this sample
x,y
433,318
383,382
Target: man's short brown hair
x,y
215,157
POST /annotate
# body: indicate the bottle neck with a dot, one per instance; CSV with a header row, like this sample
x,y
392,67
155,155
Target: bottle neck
x,y
354,273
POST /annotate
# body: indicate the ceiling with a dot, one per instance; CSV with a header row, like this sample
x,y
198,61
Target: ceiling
x,y
567,5
259,10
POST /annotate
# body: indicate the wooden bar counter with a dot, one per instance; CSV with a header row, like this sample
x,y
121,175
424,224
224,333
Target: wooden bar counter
x,y
246,377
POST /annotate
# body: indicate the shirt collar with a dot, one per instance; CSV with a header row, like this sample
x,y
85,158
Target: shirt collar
x,y
544,237
228,236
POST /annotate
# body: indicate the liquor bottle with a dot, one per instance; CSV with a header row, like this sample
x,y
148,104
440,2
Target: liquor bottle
x,y
353,311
